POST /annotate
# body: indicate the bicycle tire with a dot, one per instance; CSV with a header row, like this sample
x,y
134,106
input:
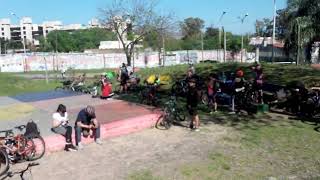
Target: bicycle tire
x,y
163,123
4,162
180,116
37,141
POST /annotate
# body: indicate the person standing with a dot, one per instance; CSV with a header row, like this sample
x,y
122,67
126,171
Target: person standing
x,y
124,77
212,90
193,97
60,126
258,82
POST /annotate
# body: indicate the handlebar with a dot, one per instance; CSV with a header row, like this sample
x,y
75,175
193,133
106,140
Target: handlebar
x,y
21,127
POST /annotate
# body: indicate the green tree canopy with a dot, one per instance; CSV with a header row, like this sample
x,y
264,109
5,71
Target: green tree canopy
x,y
75,41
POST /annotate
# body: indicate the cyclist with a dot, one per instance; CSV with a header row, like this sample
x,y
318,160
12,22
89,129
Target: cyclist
x,y
106,89
213,88
60,126
86,122
153,82
124,77
193,96
258,82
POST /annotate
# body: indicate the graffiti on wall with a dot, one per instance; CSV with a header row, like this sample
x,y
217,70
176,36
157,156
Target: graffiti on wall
x,y
41,62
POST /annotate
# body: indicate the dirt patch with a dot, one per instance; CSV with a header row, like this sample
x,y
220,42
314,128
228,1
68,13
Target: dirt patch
x,y
162,152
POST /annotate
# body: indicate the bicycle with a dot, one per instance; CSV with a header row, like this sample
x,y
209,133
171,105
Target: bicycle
x,y
4,161
22,147
21,173
148,95
171,114
180,88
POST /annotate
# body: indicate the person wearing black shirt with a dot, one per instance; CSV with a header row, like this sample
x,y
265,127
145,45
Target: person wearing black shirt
x,y
86,122
192,103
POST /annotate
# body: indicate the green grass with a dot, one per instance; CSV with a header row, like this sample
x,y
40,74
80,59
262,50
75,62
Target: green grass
x,y
274,73
11,85
262,147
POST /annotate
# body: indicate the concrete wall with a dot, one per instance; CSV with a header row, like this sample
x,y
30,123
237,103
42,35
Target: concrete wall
x,y
39,62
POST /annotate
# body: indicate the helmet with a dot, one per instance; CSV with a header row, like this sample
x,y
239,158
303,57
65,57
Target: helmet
x,y
240,73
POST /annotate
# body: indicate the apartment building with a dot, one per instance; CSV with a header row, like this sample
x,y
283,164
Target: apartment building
x,y
30,33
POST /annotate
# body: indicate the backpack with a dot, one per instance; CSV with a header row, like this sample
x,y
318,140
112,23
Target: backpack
x,y
124,71
31,129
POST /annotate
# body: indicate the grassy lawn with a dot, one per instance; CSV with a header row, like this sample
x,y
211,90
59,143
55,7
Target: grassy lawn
x,y
280,74
259,147
11,85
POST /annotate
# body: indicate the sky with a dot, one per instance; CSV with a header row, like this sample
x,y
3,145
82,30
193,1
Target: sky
x,y
81,11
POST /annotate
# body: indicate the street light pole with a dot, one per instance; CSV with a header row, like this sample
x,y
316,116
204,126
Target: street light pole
x,y
242,20
201,45
23,39
224,36
274,28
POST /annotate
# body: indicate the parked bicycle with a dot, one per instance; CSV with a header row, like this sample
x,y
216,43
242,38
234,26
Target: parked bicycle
x,y
19,147
180,88
171,114
149,95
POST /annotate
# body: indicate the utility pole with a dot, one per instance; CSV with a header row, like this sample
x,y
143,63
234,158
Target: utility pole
x,y
201,45
219,47
242,20
274,28
222,28
23,40
224,45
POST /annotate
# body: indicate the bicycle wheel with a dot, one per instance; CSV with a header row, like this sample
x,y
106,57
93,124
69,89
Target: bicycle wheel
x,y
180,116
163,122
4,161
37,149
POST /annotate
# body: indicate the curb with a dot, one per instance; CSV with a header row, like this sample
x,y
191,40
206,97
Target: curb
x,y
56,143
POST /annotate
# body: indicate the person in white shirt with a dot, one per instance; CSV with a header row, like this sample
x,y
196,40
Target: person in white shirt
x,y
60,126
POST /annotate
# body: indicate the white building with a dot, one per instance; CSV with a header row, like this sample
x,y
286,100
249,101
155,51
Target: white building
x,y
30,33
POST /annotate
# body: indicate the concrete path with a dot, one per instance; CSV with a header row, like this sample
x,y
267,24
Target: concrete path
x,y
39,107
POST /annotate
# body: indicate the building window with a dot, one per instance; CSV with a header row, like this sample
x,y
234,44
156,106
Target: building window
x,y
2,34
24,32
2,29
24,27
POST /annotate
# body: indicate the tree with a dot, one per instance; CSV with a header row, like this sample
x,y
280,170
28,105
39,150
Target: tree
x,y
76,41
133,20
191,27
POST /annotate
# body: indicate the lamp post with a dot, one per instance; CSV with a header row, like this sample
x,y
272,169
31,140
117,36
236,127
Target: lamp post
x,y
201,45
23,39
224,37
242,20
